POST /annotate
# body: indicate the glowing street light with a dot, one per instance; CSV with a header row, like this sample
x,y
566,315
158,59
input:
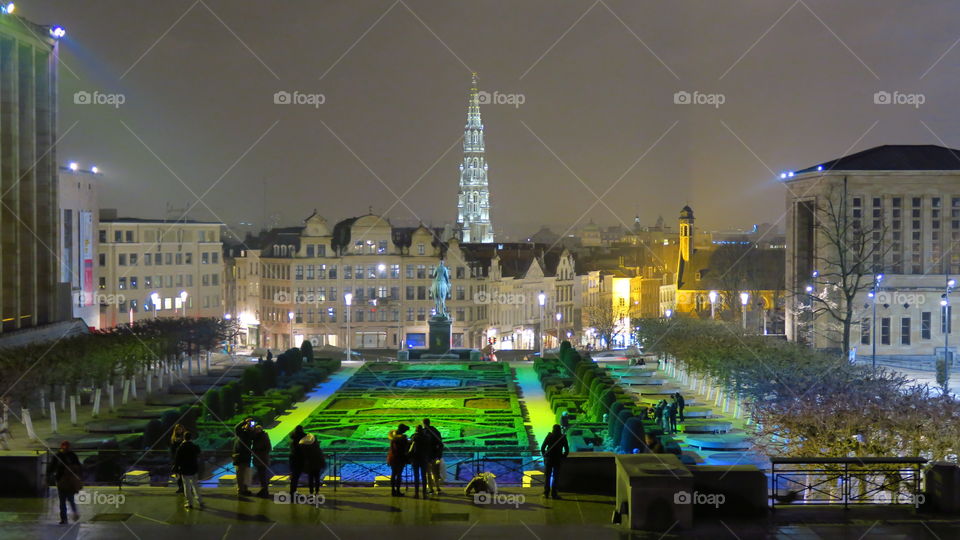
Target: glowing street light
x,y
542,299
58,32
744,298
668,313
559,317
155,300
95,170
348,300
183,302
713,304
74,166
9,8
290,316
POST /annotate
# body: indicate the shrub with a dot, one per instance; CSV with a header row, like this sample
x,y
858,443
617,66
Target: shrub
x,y
213,403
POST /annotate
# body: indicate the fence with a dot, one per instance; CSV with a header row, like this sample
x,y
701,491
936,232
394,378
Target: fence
x,y
846,481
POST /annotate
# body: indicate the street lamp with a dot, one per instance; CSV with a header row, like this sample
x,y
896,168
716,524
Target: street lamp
x,y
947,356
155,300
542,298
713,304
873,330
290,316
668,313
559,316
348,300
183,302
744,298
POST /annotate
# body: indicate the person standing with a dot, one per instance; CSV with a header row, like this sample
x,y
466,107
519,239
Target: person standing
x,y
397,457
671,417
242,453
681,403
433,467
296,458
554,450
187,463
176,439
261,459
314,461
67,474
421,456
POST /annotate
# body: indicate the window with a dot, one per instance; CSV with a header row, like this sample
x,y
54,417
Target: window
x,y
347,271
169,281
381,292
394,271
382,246
215,257
309,250
394,293
460,272
179,258
189,258
421,271
298,272
410,314
148,281
103,259
421,293
168,258
409,271
421,314
117,236
123,260
133,259
925,325
332,273
372,271
205,280
204,258
409,295
103,236
179,280
905,331
203,235
123,283
309,271
189,280
215,279
103,283
321,250
885,331
461,295
147,259
358,272
133,306
133,282
421,249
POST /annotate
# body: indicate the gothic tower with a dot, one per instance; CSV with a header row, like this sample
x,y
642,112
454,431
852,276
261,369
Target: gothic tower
x,y
473,201
686,233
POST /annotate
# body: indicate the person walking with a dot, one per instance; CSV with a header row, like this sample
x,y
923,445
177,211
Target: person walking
x,y
397,457
261,459
314,461
67,474
296,458
681,403
187,463
421,457
242,453
176,439
433,468
554,450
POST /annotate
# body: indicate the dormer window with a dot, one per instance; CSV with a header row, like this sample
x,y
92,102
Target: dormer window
x,y
421,249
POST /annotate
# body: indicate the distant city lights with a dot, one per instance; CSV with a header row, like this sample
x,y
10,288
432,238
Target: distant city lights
x,y
58,32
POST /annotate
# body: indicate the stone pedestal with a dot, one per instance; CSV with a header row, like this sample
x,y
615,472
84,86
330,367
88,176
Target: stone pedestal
x,y
654,492
439,339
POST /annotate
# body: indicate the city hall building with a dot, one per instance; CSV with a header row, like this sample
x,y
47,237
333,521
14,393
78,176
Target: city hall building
x,y
898,207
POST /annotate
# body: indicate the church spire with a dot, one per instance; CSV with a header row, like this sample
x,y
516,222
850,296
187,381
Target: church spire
x,y
473,201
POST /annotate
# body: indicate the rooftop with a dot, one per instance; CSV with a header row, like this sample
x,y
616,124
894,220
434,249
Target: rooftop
x,y
894,157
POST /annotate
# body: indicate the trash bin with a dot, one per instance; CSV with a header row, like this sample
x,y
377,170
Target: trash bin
x,y
403,356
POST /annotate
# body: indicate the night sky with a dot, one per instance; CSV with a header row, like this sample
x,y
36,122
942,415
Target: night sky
x,y
598,120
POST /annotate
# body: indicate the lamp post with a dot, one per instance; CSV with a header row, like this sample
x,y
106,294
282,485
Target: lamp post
x,y
873,330
183,302
668,313
542,299
744,298
290,316
155,300
348,300
227,317
713,304
813,341
559,317
945,302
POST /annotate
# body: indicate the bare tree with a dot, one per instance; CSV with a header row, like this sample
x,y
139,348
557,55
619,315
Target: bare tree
x,y
607,321
845,262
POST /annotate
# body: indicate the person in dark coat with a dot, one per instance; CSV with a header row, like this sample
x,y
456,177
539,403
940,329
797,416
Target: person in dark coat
x,y
176,439
652,444
67,474
296,458
261,459
397,457
681,403
421,454
187,465
658,412
554,450
671,418
269,355
314,461
242,453
433,468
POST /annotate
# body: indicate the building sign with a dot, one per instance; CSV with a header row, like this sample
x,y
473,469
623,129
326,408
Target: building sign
x,y
86,257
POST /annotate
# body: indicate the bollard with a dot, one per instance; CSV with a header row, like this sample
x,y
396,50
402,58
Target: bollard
x,y
110,397
133,387
53,418
96,402
126,392
28,423
73,410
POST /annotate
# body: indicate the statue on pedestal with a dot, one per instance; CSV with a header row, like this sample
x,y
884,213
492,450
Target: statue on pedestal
x,y
440,288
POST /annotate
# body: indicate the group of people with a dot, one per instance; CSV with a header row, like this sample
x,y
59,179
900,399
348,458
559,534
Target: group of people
x,y
252,443
666,414
306,456
423,451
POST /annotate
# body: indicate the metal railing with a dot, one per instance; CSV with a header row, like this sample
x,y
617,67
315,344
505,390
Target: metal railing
x,y
846,481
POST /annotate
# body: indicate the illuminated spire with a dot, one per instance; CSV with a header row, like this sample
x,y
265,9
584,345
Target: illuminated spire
x,y
473,201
